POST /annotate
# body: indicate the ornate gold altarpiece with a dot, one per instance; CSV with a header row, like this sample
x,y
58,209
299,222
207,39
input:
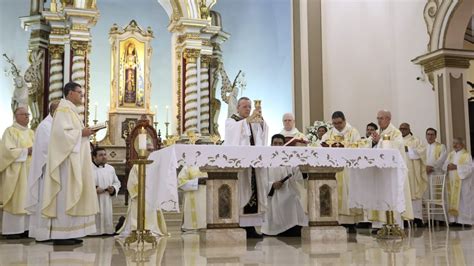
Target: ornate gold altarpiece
x,y
130,88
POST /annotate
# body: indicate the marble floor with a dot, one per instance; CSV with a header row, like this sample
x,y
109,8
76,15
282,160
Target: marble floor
x,y
421,247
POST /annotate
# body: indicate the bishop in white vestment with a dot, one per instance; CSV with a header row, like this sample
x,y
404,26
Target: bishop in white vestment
x,y
69,195
15,156
38,228
242,130
286,208
107,186
460,195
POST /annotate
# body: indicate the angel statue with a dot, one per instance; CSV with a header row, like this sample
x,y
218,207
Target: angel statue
x,y
230,92
20,93
34,79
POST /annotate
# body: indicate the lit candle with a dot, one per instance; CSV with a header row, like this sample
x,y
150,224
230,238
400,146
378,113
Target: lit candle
x,y
167,116
142,140
95,110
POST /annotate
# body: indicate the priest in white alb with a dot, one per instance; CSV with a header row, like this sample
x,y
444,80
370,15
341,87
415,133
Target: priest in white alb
x,y
38,228
15,156
415,151
436,153
459,184
286,207
292,135
343,130
245,129
394,138
194,198
70,198
107,186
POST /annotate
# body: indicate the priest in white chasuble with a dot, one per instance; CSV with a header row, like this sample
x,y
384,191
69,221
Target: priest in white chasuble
x,y
291,133
15,156
194,198
39,226
395,139
415,151
242,130
343,130
107,186
70,198
154,219
436,153
459,184
285,213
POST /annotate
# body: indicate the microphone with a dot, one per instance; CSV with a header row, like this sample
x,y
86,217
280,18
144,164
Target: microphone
x,y
272,190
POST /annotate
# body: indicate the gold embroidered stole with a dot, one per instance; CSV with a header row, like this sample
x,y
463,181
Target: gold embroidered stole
x,y
454,186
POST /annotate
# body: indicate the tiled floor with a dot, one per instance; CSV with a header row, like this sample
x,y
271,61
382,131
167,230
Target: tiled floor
x,y
421,247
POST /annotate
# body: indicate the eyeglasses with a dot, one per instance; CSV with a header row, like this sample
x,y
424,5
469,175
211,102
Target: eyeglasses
x,y
80,92
26,114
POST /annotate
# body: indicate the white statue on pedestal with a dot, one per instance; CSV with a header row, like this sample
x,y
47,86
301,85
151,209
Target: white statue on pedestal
x,y
230,92
20,92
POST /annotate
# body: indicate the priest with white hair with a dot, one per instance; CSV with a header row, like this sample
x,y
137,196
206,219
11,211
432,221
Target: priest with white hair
x,y
459,185
242,129
292,135
38,228
15,157
393,134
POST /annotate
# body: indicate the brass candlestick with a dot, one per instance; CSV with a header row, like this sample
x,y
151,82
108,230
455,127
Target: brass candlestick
x,y
141,235
167,125
390,230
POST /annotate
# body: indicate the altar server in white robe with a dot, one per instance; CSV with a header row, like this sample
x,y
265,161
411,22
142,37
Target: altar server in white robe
x,y
285,213
347,217
15,156
436,153
458,167
415,151
154,219
38,228
388,130
107,186
69,195
241,130
194,198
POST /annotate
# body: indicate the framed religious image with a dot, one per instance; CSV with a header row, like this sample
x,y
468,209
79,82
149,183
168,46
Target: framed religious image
x,y
131,73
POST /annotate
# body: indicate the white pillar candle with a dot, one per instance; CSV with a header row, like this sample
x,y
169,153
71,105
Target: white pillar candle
x,y
142,141
167,116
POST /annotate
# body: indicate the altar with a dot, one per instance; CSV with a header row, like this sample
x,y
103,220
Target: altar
x,y
376,183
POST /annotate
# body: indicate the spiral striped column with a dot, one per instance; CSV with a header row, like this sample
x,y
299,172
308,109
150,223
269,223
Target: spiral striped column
x,y
191,97
79,75
204,97
56,74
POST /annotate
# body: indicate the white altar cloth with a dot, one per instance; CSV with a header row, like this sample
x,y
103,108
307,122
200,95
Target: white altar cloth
x,y
376,175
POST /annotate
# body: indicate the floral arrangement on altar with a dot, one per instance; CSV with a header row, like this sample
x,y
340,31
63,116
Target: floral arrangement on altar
x,y
313,130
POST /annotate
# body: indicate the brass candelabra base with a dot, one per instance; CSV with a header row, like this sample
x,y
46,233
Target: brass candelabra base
x,y
140,237
391,230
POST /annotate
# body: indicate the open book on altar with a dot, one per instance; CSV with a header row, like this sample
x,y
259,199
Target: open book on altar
x,y
98,126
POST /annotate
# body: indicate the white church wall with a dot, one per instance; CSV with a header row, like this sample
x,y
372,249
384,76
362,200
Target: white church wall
x,y
367,48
